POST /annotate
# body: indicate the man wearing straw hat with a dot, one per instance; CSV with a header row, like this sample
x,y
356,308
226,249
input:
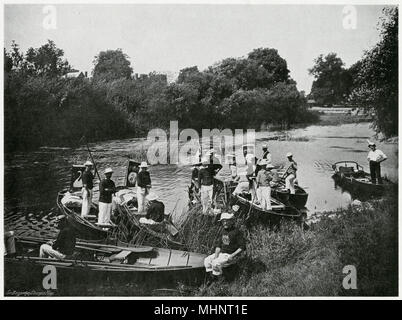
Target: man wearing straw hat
x,y
229,245
106,189
290,174
87,186
143,186
263,181
375,157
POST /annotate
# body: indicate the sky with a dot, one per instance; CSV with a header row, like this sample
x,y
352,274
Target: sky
x,y
168,38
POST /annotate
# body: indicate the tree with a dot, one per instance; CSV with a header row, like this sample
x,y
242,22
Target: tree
x,y
376,85
46,60
332,81
111,65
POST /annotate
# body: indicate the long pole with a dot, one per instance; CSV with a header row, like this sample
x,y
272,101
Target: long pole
x,y
93,161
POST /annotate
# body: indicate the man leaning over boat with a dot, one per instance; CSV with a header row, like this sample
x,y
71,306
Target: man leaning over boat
x,y
64,244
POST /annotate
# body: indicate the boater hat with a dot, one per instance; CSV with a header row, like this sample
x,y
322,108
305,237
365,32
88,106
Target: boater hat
x,y
264,146
108,170
370,143
226,216
289,154
88,163
143,165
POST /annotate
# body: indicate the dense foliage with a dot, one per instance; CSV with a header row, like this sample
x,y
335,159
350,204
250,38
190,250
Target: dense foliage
x,y
45,106
376,83
371,82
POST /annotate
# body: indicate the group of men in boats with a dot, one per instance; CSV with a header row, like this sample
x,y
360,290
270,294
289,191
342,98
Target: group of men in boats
x,y
139,177
257,181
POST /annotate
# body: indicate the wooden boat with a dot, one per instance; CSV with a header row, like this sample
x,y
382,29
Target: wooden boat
x,y
298,200
165,234
253,213
350,175
85,228
128,227
94,261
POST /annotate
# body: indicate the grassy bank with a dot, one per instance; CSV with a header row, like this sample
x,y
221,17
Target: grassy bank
x,y
296,262
336,119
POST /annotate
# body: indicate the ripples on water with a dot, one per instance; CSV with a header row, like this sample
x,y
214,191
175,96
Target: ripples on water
x,y
32,180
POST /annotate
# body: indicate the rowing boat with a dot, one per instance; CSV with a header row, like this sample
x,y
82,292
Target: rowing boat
x,y
351,176
99,263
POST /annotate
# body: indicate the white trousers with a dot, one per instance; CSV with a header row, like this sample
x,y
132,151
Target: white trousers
x,y
216,264
290,183
141,194
86,202
264,196
47,251
105,211
206,197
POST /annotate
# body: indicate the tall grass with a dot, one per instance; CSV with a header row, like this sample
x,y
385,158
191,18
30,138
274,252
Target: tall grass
x,y
296,262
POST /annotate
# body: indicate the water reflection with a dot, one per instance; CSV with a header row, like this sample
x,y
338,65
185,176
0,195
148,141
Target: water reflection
x,y
32,180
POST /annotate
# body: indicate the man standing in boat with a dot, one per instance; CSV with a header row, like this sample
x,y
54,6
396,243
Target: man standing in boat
x,y
205,184
106,189
375,157
266,154
143,186
228,247
87,186
290,174
264,179
64,244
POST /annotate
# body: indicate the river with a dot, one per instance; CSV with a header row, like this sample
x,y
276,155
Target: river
x,y
32,180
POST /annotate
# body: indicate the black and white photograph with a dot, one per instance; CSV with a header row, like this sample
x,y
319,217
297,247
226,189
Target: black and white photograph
x,y
200,150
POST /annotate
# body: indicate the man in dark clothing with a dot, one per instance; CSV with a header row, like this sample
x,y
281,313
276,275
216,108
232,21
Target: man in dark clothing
x,y
156,208
64,244
143,186
230,244
106,190
87,186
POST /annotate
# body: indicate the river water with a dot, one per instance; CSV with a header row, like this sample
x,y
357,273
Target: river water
x,y
32,180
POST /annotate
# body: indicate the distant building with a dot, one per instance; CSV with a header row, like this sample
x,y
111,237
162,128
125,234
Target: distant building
x,y
73,73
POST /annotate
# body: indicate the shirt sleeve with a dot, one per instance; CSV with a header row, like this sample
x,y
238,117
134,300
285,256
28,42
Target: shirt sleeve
x,y
241,242
383,155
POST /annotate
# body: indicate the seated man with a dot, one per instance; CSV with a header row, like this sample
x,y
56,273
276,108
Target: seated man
x,y
156,208
228,247
64,244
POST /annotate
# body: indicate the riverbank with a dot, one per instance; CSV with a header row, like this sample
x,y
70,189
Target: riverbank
x,y
295,262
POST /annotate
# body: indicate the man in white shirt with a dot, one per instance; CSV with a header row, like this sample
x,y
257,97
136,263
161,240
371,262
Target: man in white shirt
x,y
375,157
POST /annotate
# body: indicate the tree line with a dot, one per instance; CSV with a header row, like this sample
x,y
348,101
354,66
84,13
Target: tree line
x,y
44,106
371,82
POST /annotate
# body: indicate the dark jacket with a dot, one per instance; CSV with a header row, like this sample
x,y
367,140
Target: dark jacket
x,y
65,242
156,211
231,240
105,196
143,179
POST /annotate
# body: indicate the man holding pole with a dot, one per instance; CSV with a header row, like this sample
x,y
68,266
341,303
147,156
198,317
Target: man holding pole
x,y
87,186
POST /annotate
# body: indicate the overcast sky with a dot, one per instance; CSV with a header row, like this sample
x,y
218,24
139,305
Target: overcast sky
x,y
172,37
